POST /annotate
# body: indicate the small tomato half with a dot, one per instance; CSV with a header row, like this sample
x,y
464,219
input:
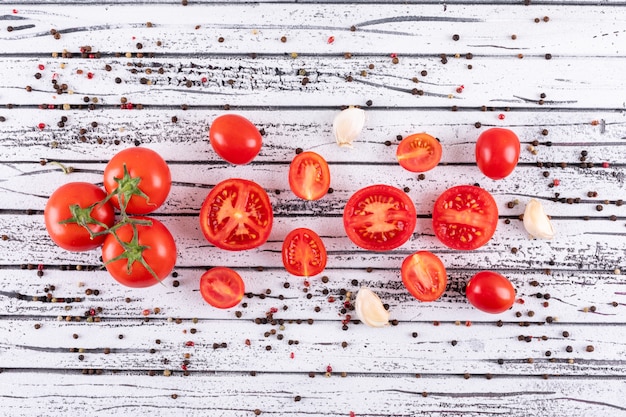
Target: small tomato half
x,y
222,287
419,152
304,253
309,176
424,275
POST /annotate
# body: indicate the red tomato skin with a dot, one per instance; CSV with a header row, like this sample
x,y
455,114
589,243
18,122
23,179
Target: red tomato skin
x,y
420,158
222,287
304,243
235,139
71,236
144,163
497,152
490,292
160,254
424,269
300,181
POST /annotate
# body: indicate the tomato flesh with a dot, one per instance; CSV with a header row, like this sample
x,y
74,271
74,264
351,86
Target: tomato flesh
x,y
235,138
419,152
304,253
222,287
490,292
309,176
497,152
424,275
465,217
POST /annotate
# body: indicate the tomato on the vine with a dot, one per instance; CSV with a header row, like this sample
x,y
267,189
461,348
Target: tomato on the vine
x,y
140,177
236,215
309,176
75,209
235,138
490,292
465,217
419,152
140,253
497,152
222,287
424,275
379,217
304,253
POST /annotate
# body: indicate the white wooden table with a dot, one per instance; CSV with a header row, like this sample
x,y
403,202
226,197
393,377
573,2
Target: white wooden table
x,y
553,71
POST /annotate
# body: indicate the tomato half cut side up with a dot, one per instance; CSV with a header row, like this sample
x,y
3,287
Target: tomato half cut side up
x,y
309,176
222,287
236,215
304,253
379,217
424,275
419,152
465,217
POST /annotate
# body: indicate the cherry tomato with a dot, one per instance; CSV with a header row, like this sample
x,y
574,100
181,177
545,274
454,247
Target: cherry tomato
x,y
222,287
237,215
141,176
304,253
497,152
309,176
379,217
424,275
419,152
490,292
144,248
235,138
73,208
465,217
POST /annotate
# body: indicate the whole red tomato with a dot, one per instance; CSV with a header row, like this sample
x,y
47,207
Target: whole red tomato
x,y
74,209
497,152
235,138
140,255
490,292
141,177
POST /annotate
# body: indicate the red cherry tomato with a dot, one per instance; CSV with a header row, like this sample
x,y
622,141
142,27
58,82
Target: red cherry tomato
x,y
465,217
304,253
143,178
424,275
490,292
222,287
73,208
144,248
419,152
236,215
309,176
497,152
235,138
379,217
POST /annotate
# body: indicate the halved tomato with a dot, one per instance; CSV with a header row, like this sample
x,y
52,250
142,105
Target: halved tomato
x,y
419,152
379,217
236,215
465,217
424,275
304,253
222,287
309,176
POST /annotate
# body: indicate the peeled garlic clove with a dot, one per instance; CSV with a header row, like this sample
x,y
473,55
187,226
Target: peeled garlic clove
x,y
347,125
369,309
536,221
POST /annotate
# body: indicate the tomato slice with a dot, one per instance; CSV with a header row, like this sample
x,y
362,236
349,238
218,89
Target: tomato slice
x,y
465,217
424,275
237,215
222,287
419,152
379,217
309,176
304,253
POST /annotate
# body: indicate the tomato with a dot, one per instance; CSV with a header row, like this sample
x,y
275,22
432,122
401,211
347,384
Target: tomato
x,y
497,152
304,253
222,287
145,247
419,152
235,138
71,210
309,176
424,275
490,292
379,217
237,215
465,217
141,177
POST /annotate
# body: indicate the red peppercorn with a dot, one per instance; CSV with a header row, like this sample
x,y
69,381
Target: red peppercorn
x,y
605,164
146,312
41,126
204,79
292,355
41,67
331,39
329,369
556,182
189,343
90,75
501,116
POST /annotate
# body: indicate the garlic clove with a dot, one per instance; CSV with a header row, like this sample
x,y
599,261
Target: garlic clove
x,y
369,309
536,221
347,125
